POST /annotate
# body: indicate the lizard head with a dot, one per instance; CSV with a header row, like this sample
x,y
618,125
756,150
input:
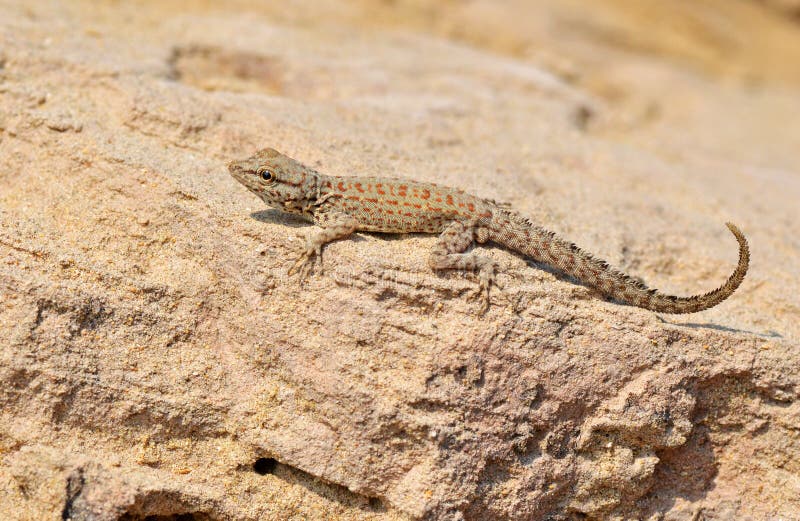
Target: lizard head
x,y
279,180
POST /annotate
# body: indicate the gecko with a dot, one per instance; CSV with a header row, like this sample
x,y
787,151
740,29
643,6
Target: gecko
x,y
343,205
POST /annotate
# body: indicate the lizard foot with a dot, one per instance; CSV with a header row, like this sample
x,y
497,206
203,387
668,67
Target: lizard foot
x,y
308,258
486,278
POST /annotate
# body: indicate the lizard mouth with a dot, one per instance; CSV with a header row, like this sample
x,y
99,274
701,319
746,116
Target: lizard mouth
x,y
239,173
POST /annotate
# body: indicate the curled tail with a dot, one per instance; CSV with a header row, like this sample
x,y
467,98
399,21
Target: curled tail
x,y
521,235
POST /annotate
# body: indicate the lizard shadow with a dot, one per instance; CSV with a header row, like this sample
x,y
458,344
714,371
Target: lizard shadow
x,y
276,216
717,327
694,325
562,276
543,266
273,215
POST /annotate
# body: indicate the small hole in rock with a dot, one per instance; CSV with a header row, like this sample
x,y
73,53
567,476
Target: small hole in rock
x,y
264,466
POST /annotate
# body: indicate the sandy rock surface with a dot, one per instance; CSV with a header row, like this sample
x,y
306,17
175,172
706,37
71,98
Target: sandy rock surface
x,y
156,361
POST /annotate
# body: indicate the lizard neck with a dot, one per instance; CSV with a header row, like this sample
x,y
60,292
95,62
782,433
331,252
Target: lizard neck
x,y
315,191
298,198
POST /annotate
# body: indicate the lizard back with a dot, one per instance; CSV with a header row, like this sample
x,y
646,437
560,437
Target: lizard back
x,y
382,204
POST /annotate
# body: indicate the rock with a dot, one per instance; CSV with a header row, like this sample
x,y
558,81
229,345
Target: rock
x,y
158,363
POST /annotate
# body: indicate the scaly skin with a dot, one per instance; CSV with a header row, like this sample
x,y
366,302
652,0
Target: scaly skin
x,y
342,205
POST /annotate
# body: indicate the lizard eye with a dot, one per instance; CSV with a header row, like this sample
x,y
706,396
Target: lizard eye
x,y
266,175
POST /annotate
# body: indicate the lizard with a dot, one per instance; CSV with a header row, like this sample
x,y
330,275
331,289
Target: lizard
x,y
343,205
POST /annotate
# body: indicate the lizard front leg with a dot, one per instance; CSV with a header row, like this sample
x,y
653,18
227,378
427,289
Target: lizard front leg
x,y
448,254
335,225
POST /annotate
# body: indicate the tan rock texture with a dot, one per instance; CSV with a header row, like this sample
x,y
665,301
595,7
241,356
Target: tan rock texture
x,y
156,362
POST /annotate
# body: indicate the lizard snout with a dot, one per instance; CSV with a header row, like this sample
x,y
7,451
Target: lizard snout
x,y
237,171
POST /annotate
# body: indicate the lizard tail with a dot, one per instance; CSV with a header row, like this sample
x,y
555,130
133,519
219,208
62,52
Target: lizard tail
x,y
544,246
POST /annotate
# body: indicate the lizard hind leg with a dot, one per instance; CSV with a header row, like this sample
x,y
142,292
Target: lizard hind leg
x,y
448,254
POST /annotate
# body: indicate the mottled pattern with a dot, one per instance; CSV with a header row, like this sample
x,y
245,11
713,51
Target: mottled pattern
x,y
342,205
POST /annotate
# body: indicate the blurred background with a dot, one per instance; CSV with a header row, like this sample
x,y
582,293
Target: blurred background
x,y
725,72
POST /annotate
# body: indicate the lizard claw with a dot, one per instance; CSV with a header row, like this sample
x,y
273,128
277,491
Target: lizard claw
x,y
311,252
308,258
299,265
482,293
